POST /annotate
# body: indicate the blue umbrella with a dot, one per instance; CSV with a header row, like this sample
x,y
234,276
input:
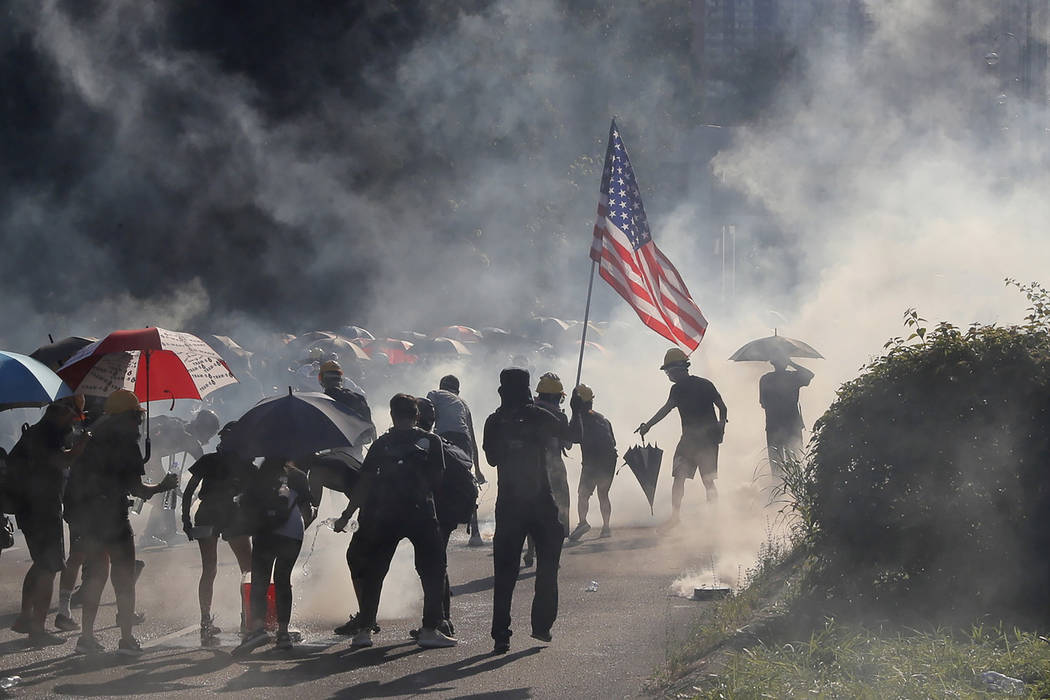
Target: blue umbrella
x,y
295,425
24,382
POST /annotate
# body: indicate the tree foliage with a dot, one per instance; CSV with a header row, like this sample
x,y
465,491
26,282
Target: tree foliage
x,y
929,472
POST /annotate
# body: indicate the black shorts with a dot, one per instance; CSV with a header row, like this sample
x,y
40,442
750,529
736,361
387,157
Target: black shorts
x,y
46,543
113,537
693,453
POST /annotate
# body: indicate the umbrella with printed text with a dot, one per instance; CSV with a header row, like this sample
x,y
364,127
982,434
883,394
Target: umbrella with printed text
x,y
154,363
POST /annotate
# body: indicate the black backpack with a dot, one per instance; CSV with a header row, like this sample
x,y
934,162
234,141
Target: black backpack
x,y
266,507
458,496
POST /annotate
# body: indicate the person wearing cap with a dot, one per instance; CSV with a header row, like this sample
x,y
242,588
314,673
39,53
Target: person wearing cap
x,y
516,438
696,399
97,498
38,465
594,434
454,423
221,476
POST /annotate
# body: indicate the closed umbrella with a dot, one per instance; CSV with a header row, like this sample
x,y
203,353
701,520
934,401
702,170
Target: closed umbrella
x,y
644,461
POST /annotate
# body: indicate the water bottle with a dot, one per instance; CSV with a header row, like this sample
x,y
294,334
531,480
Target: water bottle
x,y
998,683
592,587
10,682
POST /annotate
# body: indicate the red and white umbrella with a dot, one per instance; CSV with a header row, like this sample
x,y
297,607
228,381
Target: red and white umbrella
x,y
154,363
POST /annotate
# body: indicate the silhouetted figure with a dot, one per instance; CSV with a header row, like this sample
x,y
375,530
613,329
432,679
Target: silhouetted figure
x,y
778,394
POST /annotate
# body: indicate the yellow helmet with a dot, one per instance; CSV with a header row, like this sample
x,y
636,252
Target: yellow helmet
x,y
121,401
331,366
550,383
674,356
585,393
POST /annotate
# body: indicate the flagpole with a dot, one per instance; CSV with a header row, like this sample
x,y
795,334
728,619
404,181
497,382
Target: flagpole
x,y
586,317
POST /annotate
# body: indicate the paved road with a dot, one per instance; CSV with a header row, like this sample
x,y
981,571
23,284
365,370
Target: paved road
x,y
606,643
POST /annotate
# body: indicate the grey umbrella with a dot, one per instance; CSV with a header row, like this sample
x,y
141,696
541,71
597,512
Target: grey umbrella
x,y
774,347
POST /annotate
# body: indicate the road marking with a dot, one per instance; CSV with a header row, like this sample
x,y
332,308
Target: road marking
x,y
168,637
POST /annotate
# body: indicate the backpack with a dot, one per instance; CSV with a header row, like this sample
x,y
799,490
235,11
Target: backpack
x,y
268,507
458,496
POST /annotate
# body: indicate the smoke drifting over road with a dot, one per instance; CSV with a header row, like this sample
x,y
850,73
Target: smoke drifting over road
x,y
285,166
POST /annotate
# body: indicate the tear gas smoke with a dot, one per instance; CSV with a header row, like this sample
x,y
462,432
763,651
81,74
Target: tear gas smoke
x,y
380,172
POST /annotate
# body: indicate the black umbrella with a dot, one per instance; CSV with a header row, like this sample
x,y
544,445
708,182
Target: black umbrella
x,y
295,425
56,354
644,461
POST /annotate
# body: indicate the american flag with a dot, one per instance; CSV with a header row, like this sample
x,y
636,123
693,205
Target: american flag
x,y
629,259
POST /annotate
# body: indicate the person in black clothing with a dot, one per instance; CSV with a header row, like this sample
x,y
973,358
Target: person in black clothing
x,y
277,503
400,474
696,399
447,520
516,439
221,475
96,503
37,469
594,434
778,394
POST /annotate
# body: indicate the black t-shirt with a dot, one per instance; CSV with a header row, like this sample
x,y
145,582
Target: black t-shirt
x,y
37,471
223,476
515,442
778,394
104,476
695,398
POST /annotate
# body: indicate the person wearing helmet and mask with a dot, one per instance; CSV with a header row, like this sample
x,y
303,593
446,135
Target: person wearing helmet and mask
x,y
594,433
175,439
696,399
96,500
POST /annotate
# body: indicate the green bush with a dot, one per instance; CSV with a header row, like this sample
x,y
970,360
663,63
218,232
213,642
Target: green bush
x,y
927,487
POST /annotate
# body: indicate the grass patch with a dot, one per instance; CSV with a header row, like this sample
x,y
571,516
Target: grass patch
x,y
851,661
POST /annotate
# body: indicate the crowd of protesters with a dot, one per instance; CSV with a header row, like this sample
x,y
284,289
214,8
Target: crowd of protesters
x,y
82,464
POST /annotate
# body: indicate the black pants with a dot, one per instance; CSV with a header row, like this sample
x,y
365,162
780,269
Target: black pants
x,y
371,550
273,555
514,520
446,597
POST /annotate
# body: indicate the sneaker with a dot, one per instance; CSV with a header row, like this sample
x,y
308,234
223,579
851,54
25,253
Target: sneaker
x,y
475,541
252,640
21,625
43,638
65,623
581,530
542,636
138,618
209,633
502,646
606,532
414,634
447,627
129,646
88,645
284,641
363,638
528,559
430,638
352,626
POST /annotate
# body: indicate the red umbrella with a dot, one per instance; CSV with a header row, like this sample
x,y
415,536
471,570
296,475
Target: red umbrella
x,y
176,366
397,351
